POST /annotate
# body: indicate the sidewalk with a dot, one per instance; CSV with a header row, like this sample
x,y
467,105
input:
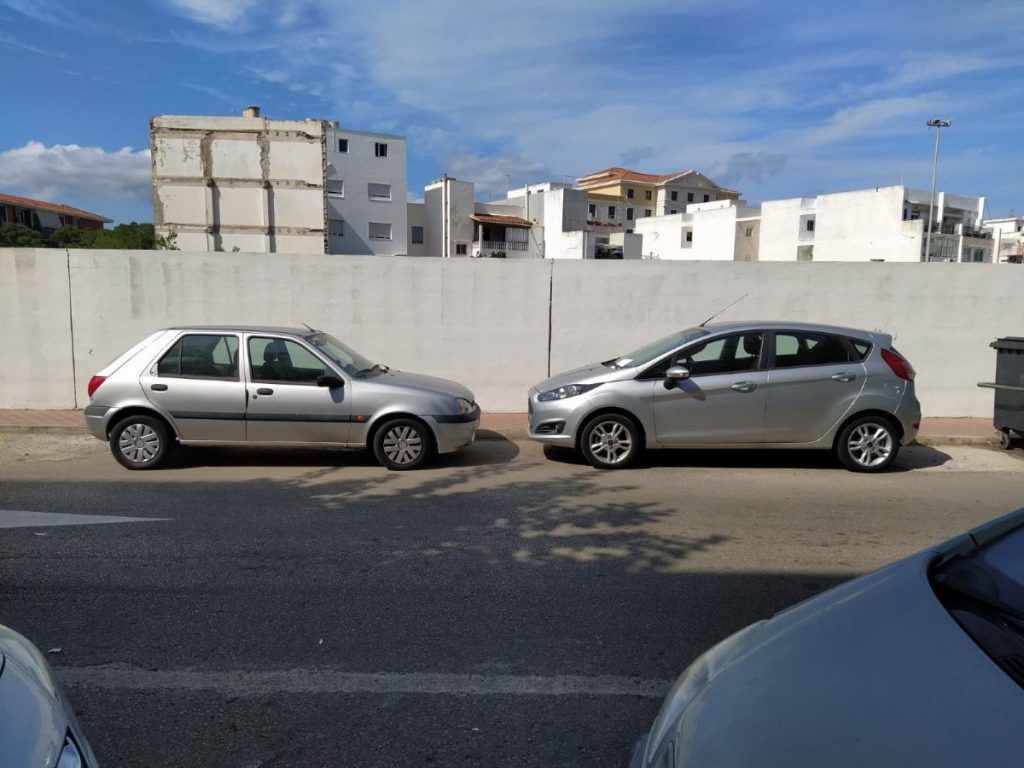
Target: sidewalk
x,y
934,431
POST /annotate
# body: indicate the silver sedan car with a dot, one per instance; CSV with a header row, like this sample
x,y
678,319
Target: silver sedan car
x,y
918,664
737,385
245,385
37,723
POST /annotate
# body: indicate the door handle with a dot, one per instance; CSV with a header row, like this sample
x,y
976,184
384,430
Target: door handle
x,y
844,377
158,387
264,391
744,386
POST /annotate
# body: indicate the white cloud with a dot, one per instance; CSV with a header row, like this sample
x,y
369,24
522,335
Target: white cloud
x,y
66,172
11,42
218,13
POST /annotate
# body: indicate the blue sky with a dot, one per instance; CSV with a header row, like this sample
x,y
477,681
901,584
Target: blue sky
x,y
776,99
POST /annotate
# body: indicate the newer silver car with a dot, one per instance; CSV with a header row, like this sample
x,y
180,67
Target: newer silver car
x,y
251,385
918,664
737,385
37,723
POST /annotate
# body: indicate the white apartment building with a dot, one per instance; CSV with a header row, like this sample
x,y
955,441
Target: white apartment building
x,y
724,230
277,186
1008,239
366,193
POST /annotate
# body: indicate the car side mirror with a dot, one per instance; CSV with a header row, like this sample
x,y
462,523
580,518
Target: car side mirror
x,y
329,380
677,372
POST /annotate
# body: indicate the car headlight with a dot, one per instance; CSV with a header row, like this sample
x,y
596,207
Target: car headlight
x,y
569,390
463,405
69,756
689,685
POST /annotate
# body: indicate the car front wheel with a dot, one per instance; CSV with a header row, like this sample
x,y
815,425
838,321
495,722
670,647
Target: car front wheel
x,y
868,444
141,442
611,441
403,444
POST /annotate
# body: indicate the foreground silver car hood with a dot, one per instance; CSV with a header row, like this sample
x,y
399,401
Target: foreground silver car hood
x,y
875,672
587,374
421,383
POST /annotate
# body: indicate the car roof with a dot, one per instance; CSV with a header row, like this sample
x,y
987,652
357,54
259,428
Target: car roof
x,y
244,329
741,325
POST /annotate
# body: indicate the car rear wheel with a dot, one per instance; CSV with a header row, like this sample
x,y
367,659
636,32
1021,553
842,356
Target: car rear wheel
x,y
403,444
611,441
868,444
141,442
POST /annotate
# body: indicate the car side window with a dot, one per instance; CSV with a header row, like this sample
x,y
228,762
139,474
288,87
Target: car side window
x,y
728,354
281,361
793,349
860,348
201,356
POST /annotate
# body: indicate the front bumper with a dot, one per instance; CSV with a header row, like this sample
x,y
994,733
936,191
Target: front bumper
x,y
454,432
555,421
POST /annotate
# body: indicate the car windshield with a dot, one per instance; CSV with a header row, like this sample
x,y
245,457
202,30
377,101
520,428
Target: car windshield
x,y
651,352
341,355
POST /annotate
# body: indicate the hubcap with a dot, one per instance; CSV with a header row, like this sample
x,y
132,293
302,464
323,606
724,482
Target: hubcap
x,y
139,443
402,445
610,442
870,444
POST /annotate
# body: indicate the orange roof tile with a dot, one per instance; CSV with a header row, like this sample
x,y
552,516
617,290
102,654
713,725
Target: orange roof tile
x,y
67,210
493,218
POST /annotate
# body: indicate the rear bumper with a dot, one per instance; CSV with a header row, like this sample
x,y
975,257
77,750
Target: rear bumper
x,y
97,417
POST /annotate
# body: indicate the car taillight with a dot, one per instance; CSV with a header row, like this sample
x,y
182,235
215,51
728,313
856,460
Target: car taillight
x,y
900,366
94,383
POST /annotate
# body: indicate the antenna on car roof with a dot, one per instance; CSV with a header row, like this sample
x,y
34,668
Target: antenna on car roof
x,y
741,298
310,327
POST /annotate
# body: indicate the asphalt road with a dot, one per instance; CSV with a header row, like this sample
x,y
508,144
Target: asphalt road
x,y
301,608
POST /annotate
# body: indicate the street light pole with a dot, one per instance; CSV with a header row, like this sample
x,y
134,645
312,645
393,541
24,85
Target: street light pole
x,y
938,125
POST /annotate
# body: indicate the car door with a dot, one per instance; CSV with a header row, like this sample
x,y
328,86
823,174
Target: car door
x,y
813,381
197,381
722,401
286,405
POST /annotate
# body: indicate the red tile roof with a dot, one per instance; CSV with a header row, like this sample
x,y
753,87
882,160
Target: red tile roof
x,y
615,173
493,218
67,210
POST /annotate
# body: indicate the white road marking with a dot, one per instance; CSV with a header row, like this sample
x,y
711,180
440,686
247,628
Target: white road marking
x,y
17,518
314,681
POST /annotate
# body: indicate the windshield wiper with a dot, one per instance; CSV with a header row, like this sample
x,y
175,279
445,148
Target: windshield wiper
x,y
610,363
376,368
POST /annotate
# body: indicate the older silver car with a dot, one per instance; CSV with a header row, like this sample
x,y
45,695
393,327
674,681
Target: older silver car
x,y
737,385
920,663
37,723
246,385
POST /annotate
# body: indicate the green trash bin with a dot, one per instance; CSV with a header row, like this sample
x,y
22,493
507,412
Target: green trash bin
x,y
1008,414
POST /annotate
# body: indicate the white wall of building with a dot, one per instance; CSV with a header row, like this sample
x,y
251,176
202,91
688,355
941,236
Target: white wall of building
x,y
358,168
714,231
484,321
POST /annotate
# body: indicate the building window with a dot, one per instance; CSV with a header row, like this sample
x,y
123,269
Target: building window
x,y
593,210
674,195
805,253
23,216
629,193
380,231
336,187
3,214
417,235
750,231
380,149
689,197
810,225
647,212
629,214
707,198
378,191
611,211
647,195
673,211
689,235
336,227
460,249
343,146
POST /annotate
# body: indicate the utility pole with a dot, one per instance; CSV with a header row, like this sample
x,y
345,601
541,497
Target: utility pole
x,y
938,125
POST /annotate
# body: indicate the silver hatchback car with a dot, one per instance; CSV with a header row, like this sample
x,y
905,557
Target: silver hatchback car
x,y
737,385
236,385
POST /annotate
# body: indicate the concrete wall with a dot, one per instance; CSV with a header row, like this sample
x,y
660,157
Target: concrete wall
x,y
484,321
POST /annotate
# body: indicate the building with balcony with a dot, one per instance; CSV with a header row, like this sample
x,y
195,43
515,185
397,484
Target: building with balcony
x,y
1008,239
44,217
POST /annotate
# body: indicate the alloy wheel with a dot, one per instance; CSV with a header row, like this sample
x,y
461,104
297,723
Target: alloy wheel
x,y
610,442
870,444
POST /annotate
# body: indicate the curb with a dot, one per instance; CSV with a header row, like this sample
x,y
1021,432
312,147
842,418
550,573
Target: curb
x,y
520,434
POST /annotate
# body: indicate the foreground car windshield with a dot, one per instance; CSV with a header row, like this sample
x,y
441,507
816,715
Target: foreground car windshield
x,y
651,352
347,358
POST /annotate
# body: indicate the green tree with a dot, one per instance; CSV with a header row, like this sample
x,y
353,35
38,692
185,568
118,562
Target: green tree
x,y
68,236
13,236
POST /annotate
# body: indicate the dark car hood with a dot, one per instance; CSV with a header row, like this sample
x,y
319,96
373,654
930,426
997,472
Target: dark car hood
x,y
875,672
32,723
